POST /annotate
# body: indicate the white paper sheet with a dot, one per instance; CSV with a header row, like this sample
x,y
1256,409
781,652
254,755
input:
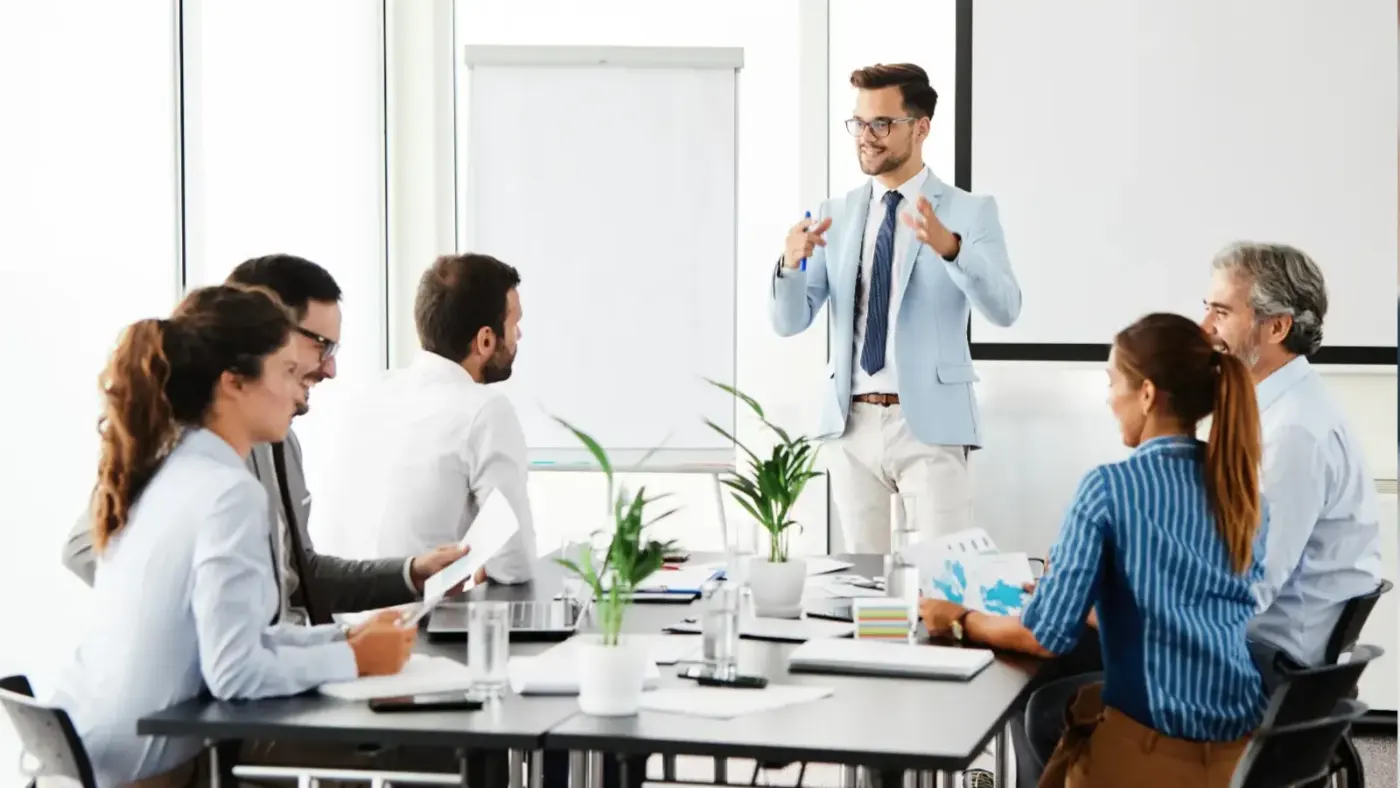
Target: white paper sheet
x,y
420,675
990,582
727,702
557,674
821,565
493,527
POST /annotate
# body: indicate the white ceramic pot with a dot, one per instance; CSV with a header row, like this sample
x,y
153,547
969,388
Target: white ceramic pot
x,y
777,587
611,677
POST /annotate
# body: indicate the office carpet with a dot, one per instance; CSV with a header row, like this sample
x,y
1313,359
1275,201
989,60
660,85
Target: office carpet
x,y
1378,758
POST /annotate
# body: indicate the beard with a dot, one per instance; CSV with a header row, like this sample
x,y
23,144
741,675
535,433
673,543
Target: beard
x,y
1246,349
498,367
889,163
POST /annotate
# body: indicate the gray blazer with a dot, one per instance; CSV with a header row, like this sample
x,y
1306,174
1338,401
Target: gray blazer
x,y
338,585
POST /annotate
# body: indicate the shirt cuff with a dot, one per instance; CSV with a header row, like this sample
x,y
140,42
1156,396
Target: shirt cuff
x,y
408,576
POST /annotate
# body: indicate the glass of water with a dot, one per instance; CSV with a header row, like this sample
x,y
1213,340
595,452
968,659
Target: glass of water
x,y
719,627
488,646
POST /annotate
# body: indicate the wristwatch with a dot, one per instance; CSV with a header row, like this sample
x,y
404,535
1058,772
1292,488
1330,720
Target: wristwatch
x,y
959,626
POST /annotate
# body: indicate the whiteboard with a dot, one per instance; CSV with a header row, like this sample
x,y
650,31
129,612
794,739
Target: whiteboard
x,y
1127,141
607,176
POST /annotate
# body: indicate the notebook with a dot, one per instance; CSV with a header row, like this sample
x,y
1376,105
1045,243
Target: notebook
x,y
421,675
874,658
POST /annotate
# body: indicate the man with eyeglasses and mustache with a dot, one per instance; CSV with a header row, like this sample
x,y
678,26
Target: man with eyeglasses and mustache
x,y
314,586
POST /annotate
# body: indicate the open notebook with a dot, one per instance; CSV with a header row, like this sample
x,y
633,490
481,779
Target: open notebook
x,y
421,675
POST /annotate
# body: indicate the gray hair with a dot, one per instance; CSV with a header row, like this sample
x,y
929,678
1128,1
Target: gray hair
x,y
1283,281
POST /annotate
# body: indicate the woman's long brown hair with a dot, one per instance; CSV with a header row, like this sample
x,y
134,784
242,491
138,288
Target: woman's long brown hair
x,y
1196,381
137,425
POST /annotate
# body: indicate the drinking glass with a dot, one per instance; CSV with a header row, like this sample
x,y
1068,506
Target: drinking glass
x,y
720,603
488,645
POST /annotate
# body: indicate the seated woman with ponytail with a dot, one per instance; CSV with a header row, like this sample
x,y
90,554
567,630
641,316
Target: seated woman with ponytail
x,y
1164,547
184,583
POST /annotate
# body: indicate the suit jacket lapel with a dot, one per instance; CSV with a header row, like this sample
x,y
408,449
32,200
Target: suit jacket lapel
x,y
852,243
933,191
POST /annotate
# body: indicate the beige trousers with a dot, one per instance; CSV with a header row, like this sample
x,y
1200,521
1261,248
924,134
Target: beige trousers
x,y
878,456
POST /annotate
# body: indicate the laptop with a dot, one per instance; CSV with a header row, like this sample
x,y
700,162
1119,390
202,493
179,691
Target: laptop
x,y
531,621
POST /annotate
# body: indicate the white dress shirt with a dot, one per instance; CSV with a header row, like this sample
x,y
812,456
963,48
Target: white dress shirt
x,y
1324,535
419,453
182,596
884,381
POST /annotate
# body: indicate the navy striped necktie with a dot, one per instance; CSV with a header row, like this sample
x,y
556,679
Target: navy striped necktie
x,y
877,305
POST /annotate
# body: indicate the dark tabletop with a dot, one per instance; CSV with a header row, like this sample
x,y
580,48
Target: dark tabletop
x,y
873,721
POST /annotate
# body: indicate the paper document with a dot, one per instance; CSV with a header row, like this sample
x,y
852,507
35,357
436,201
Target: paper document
x,y
493,527
662,649
988,582
876,658
556,672
683,579
420,675
725,703
821,565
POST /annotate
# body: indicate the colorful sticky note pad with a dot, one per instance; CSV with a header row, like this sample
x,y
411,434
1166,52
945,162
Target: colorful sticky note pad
x,y
882,619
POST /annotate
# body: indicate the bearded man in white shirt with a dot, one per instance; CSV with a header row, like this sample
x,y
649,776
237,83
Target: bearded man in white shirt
x,y
424,447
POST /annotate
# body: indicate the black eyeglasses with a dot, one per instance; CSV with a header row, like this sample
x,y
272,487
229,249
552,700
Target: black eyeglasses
x,y
328,346
880,127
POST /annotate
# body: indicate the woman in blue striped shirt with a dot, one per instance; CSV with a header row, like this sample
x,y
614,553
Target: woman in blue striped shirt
x,y
1164,547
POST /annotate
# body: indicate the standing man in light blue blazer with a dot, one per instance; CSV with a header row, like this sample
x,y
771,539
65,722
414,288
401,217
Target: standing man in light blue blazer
x,y
901,259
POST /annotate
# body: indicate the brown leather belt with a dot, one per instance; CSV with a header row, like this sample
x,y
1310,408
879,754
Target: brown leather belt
x,y
883,400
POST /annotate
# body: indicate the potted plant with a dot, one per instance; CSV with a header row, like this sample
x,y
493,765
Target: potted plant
x,y
612,669
768,492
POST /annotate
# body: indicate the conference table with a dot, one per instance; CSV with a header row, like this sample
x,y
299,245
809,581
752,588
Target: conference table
x,y
882,726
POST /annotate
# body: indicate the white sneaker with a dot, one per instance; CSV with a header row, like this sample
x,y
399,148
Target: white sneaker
x,y
978,778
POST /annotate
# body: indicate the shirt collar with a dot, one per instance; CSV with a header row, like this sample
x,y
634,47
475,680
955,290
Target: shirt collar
x,y
1166,443
440,367
1284,378
206,443
911,189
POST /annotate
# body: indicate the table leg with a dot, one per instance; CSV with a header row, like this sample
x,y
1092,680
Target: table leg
x,y
515,768
595,769
926,780
721,771
215,772
668,768
948,780
1001,770
850,777
578,769
536,769
463,768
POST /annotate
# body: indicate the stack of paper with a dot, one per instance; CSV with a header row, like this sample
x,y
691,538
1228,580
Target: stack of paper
x,y
726,703
556,672
874,658
420,676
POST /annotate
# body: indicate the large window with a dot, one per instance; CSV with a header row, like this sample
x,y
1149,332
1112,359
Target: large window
x,y
89,246
286,122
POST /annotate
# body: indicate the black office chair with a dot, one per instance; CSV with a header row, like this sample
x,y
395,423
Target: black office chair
x,y
1344,636
1312,693
1300,754
46,735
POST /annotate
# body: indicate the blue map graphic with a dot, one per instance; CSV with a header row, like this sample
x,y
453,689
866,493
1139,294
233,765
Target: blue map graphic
x,y
1002,599
951,583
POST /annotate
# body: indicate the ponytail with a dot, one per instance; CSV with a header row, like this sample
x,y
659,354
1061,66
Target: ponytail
x,y
1232,460
137,427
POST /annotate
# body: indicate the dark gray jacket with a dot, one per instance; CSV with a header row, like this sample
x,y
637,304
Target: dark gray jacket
x,y
337,585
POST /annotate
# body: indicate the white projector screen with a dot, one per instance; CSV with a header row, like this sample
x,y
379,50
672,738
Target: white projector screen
x,y
1126,141
607,177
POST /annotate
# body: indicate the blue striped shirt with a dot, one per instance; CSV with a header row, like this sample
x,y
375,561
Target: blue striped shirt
x,y
1140,543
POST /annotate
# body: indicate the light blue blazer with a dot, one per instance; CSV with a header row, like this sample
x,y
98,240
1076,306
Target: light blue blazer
x,y
933,363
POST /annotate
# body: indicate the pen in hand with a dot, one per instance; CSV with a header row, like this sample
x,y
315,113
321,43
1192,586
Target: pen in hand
x,y
804,260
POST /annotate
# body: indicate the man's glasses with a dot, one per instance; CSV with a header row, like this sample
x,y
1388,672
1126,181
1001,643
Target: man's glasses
x,y
328,346
880,127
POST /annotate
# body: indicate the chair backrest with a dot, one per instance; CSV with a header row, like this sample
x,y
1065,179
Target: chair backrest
x,y
1292,755
46,735
1312,693
1353,618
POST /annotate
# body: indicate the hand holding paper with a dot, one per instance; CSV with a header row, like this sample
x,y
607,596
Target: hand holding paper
x,y
493,527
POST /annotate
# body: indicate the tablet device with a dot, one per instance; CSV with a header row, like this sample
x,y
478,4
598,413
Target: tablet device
x,y
437,701
545,620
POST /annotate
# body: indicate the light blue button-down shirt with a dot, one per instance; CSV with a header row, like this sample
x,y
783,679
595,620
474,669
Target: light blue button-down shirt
x,y
182,598
1324,542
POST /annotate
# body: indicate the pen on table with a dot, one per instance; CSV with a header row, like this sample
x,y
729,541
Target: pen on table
x,y
804,260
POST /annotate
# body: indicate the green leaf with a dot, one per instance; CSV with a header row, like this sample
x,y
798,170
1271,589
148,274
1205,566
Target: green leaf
x,y
750,401
593,447
731,438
